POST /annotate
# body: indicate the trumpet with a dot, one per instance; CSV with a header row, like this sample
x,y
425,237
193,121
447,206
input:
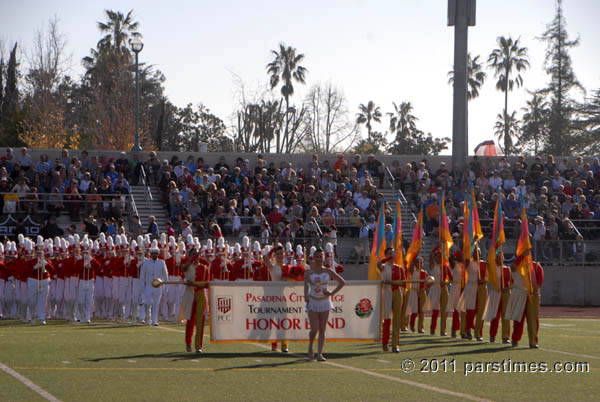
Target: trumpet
x,y
157,282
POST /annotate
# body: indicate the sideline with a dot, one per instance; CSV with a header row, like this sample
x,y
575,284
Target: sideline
x,y
28,383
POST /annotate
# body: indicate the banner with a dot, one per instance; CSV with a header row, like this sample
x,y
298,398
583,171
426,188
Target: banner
x,y
269,311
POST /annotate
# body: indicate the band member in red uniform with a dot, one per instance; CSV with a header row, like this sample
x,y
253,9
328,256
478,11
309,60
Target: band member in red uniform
x,y
220,267
392,299
137,285
175,292
193,307
274,261
498,301
86,271
38,283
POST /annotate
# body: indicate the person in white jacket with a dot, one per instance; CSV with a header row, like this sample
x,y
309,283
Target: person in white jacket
x,y
153,268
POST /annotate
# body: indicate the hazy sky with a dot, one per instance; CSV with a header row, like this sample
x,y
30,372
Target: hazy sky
x,y
385,51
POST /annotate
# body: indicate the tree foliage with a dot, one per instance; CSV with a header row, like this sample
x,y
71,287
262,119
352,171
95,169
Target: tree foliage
x,y
563,137
507,61
475,76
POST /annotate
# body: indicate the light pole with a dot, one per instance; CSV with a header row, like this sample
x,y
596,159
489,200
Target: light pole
x,y
137,45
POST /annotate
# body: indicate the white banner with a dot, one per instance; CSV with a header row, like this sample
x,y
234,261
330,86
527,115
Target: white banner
x,y
264,311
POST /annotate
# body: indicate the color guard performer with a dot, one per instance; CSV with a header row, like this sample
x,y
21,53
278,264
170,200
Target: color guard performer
x,y
498,301
417,296
437,299
458,283
392,299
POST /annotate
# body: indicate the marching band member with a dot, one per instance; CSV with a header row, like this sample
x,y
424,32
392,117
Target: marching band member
x,y
392,299
86,268
219,266
289,253
498,301
153,268
108,255
20,270
175,292
10,301
137,285
163,308
193,307
3,279
417,296
458,276
275,270
318,300
330,262
72,279
99,299
38,283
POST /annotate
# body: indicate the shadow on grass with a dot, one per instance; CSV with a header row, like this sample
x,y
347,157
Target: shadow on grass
x,y
176,356
268,365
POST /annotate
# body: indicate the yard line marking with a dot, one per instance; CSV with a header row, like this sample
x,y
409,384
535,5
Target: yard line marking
x,y
177,330
130,361
66,362
260,361
570,354
374,374
395,379
195,361
28,383
383,361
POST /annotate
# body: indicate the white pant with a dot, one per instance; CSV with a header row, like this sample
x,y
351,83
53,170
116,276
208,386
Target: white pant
x,y
175,295
99,297
84,299
137,293
37,293
152,299
10,307
2,308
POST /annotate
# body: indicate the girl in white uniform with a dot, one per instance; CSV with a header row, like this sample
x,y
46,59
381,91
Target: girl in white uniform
x,y
318,300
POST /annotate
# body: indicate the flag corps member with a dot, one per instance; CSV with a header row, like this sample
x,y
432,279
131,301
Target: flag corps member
x,y
392,299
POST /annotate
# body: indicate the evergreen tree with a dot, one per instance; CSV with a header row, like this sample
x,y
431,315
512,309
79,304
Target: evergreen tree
x,y
562,136
11,116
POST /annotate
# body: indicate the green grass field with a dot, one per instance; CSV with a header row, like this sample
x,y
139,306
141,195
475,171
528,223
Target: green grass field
x,y
120,362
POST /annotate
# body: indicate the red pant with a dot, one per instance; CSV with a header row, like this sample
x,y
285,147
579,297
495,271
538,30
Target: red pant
x,y
471,319
434,317
385,336
455,321
191,323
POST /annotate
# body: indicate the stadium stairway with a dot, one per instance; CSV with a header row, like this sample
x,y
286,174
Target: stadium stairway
x,y
147,203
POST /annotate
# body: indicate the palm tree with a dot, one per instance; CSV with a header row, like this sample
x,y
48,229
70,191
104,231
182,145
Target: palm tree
x,y
368,113
402,120
118,30
506,127
286,68
509,58
535,118
475,76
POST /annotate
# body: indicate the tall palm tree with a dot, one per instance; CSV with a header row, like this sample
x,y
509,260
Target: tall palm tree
x,y
506,127
368,113
475,76
402,120
117,31
506,60
285,69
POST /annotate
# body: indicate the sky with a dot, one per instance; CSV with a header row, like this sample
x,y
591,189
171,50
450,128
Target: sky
x,y
384,51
